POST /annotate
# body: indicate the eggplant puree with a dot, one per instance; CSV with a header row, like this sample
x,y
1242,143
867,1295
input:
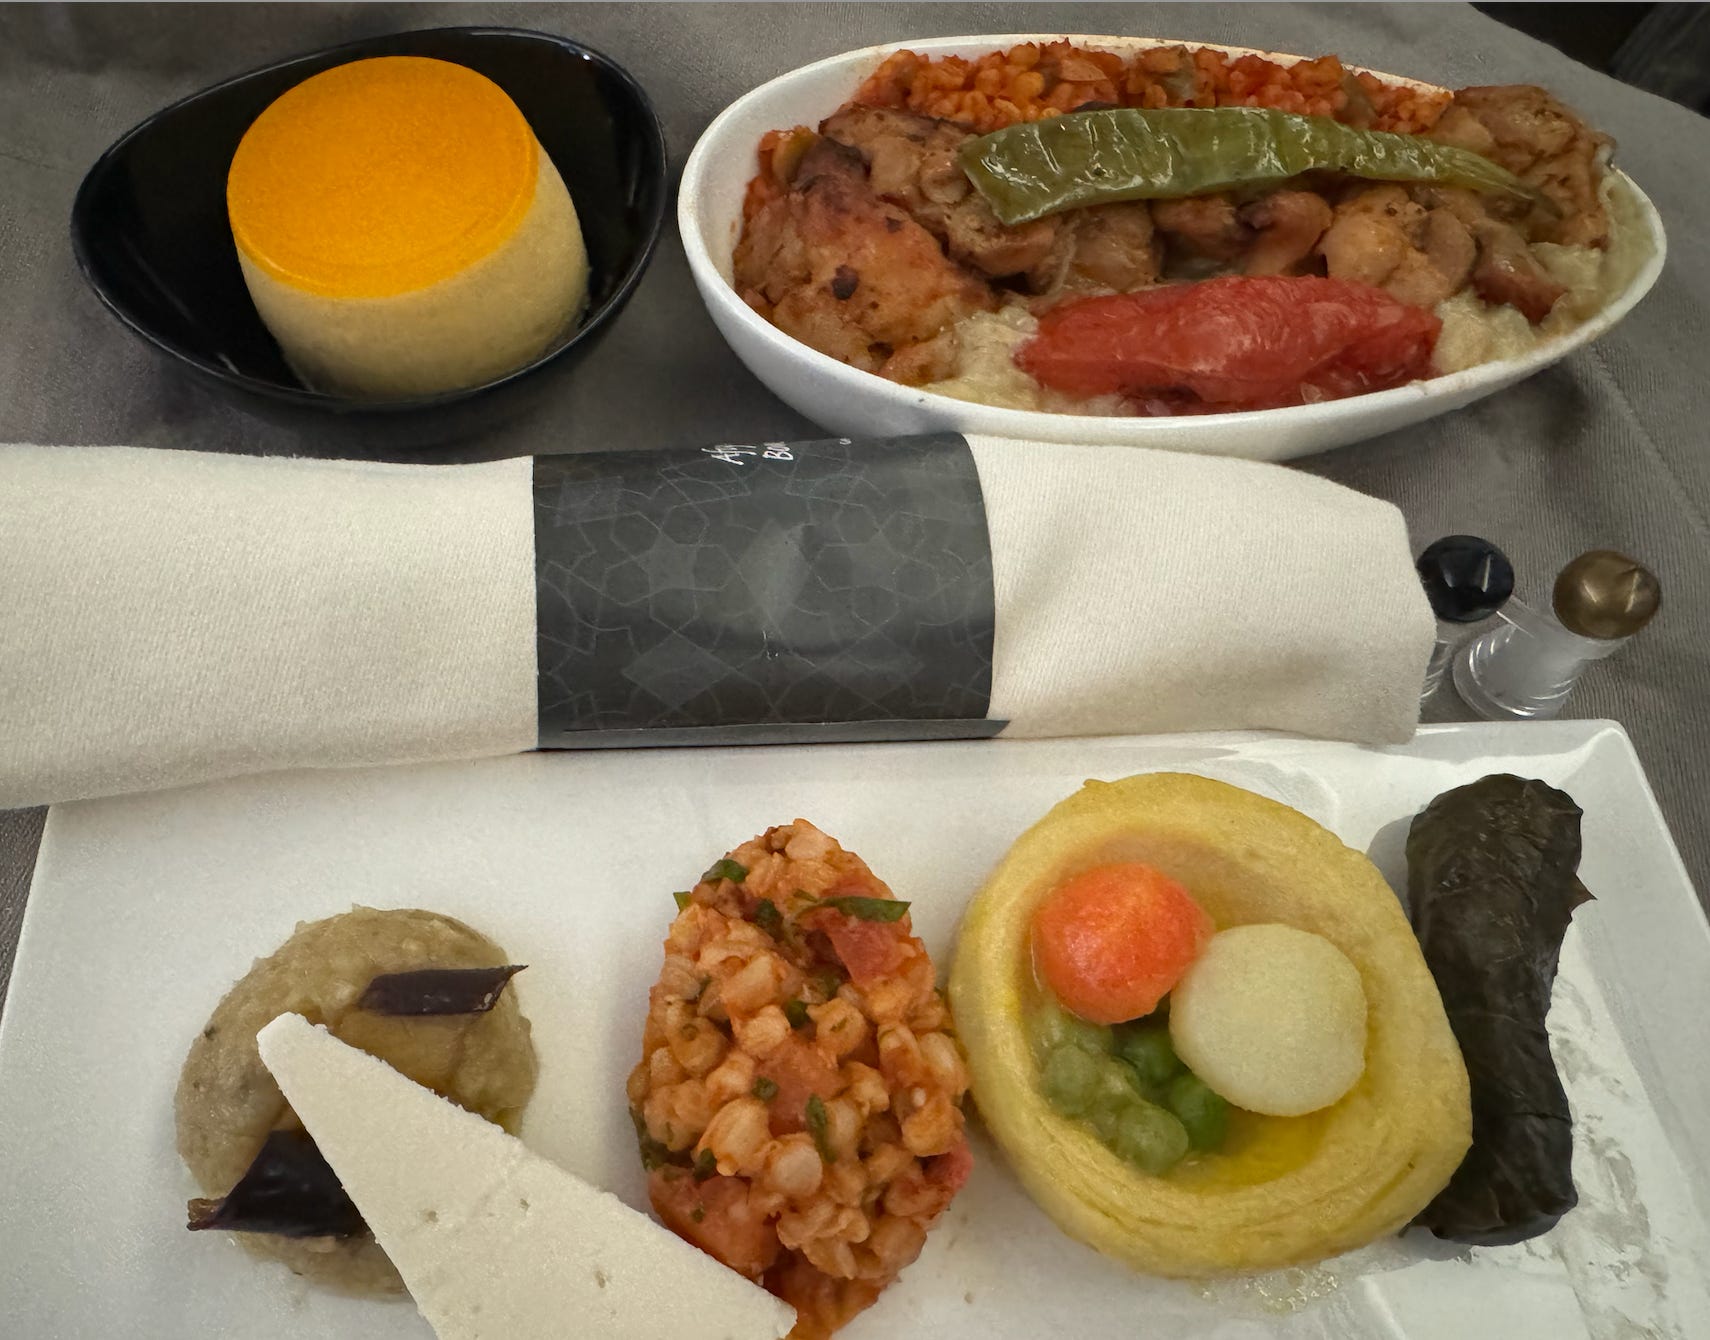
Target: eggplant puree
x,y
227,1102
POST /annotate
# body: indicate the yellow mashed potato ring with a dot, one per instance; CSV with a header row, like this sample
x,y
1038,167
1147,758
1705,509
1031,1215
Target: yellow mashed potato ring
x,y
1281,1191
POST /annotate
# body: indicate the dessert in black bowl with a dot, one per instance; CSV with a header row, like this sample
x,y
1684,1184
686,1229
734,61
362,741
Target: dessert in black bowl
x,y
153,224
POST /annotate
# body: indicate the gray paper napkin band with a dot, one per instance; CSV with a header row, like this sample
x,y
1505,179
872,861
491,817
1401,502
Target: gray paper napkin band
x,y
756,593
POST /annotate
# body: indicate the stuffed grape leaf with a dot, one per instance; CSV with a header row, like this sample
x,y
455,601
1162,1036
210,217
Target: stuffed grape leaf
x,y
1492,886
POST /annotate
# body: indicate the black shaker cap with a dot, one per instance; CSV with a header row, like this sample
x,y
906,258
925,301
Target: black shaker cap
x,y
1466,578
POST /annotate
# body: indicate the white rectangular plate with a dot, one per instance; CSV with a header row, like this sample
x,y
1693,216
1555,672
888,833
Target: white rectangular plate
x,y
145,909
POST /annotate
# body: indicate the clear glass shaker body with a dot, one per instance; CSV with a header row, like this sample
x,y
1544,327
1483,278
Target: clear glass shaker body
x,y
1526,666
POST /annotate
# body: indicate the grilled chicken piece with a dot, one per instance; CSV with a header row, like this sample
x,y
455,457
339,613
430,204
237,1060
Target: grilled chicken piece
x,y
1506,269
1540,140
1114,247
1450,252
911,160
1457,126
1508,273
1424,246
1271,235
841,270
1287,225
1203,225
1382,237
973,235
1101,249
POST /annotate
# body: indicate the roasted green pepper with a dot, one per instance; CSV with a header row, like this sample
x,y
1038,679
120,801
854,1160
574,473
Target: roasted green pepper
x,y
1093,158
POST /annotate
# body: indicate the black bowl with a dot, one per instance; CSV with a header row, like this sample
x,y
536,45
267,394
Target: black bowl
x,y
151,235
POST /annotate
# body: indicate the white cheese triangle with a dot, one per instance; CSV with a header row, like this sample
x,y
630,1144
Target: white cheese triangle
x,y
493,1241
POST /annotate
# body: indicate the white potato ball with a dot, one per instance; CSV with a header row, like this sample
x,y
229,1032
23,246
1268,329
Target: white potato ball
x,y
1273,1019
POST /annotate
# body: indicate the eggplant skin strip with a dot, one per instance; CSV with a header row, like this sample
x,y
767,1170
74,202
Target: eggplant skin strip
x,y
290,1189
430,991
1491,888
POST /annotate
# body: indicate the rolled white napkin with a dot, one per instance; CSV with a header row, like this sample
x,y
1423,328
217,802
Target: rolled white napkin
x,y
173,617
1146,592
176,616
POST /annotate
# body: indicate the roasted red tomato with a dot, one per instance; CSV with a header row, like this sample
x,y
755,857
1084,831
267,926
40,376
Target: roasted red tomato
x,y
1240,342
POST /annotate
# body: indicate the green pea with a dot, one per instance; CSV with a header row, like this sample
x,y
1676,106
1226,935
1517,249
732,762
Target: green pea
x,y
1055,1027
1117,1082
1070,1079
1116,1089
1202,1112
1146,1047
1150,1137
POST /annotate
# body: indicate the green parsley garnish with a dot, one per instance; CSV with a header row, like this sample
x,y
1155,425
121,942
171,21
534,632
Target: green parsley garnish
x,y
796,1012
802,900
705,1165
698,1213
654,1154
725,868
683,897
768,918
828,983
765,1090
868,909
816,1127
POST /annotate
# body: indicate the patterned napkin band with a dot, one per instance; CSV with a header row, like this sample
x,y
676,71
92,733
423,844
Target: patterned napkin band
x,y
836,590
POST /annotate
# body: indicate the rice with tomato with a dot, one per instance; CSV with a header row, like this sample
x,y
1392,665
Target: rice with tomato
x,y
799,1100
873,238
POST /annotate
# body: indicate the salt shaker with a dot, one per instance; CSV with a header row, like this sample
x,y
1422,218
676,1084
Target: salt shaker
x,y
1528,666
1466,579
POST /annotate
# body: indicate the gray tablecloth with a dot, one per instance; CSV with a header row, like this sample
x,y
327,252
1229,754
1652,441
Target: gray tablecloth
x,y
1607,449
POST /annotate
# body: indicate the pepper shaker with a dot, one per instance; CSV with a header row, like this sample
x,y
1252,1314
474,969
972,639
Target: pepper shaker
x,y
1467,579
1529,665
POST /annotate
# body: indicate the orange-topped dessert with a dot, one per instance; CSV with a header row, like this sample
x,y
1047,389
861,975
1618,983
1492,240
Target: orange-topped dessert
x,y
401,230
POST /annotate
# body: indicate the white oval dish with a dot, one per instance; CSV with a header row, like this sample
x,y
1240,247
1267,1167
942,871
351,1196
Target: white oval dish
x,y
846,400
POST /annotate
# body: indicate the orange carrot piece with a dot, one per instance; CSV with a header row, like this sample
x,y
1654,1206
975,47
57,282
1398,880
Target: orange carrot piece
x,y
1113,941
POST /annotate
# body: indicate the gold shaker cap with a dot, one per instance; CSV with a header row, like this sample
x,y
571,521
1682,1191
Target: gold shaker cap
x,y
1606,595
